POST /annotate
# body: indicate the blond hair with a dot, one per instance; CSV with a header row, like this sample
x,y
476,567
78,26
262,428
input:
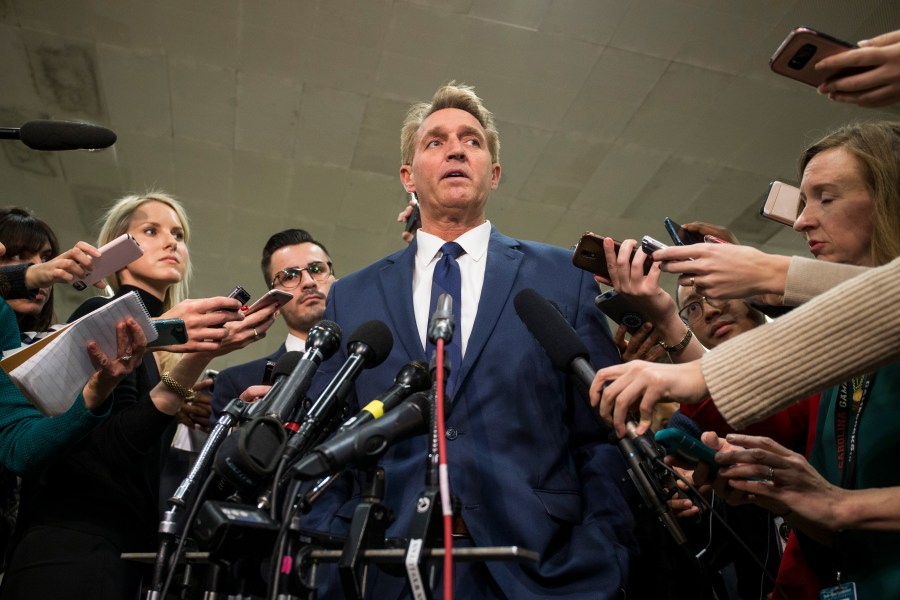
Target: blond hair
x,y
116,221
460,96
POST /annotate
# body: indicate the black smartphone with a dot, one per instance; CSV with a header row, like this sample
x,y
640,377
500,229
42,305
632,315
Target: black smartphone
x,y
686,446
414,221
589,255
651,245
798,54
617,308
170,332
680,236
241,294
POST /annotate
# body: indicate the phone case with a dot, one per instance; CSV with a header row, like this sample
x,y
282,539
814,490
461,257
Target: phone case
x,y
171,332
802,49
114,256
279,297
588,255
687,446
617,308
782,203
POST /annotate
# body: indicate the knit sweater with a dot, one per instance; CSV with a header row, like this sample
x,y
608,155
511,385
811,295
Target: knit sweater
x,y
762,371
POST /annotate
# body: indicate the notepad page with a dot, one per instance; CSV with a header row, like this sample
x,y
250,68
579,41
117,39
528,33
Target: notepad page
x,y
52,378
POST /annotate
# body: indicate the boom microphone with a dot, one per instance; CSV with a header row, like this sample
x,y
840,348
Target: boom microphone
x,y
60,135
369,441
322,341
568,353
413,377
369,345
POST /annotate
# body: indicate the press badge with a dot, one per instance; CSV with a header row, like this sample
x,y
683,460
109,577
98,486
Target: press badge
x,y
844,591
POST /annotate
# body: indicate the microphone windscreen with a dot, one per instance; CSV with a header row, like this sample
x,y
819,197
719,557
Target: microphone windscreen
x,y
550,329
326,336
376,335
286,364
65,135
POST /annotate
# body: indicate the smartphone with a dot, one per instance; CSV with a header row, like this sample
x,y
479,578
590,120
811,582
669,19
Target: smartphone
x,y
414,221
210,374
651,245
617,308
279,297
686,446
114,256
782,203
170,332
589,255
241,294
798,54
680,236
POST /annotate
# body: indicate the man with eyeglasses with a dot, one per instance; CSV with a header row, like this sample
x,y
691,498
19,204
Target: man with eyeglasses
x,y
295,262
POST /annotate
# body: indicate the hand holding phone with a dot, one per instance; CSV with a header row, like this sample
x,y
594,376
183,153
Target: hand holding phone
x,y
170,332
590,256
279,297
798,54
114,256
617,308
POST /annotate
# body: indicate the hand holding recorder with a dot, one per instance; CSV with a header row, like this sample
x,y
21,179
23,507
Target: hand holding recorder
x,y
68,267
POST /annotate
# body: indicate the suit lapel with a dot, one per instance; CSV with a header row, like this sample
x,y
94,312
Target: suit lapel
x,y
503,261
395,282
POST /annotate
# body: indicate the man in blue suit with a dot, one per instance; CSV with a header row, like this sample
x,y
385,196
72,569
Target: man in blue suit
x,y
527,460
295,262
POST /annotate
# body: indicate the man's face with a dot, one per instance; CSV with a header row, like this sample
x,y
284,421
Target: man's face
x,y
451,171
306,309
716,324
838,208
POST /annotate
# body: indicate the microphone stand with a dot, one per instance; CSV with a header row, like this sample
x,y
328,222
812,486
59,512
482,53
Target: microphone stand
x,y
169,528
367,532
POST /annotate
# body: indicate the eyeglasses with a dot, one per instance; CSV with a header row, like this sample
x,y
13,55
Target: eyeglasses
x,y
692,314
290,277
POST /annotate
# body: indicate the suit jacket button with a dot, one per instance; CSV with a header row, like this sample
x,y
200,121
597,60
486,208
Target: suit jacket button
x,y
452,433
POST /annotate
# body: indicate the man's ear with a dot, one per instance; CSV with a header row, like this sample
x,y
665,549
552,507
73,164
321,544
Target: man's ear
x,y
407,179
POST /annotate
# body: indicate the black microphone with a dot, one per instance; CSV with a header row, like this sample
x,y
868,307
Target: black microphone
x,y
249,456
60,135
368,347
367,442
442,321
284,366
568,353
322,342
413,377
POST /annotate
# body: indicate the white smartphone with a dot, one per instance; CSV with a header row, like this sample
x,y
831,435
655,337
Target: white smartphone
x,y
279,297
782,203
115,255
651,245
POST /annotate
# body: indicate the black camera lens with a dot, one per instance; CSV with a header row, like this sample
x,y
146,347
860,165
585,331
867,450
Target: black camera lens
x,y
802,56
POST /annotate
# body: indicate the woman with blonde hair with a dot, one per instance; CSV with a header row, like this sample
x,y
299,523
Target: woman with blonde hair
x,y
101,500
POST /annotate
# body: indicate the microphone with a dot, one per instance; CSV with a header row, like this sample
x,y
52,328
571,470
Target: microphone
x,y
369,346
442,321
284,366
568,353
322,342
367,442
60,135
250,455
413,377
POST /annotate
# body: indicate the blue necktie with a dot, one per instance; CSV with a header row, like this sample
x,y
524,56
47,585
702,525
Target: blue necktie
x,y
447,280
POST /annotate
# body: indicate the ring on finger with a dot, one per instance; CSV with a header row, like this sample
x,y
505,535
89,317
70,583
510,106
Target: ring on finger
x,y
770,474
125,358
255,333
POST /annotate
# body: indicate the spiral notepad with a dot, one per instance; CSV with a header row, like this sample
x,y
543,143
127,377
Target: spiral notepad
x,y
52,371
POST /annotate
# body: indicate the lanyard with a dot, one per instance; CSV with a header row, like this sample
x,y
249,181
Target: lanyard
x,y
846,448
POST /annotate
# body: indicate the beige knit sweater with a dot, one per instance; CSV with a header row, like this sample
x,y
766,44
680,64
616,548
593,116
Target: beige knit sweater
x,y
765,370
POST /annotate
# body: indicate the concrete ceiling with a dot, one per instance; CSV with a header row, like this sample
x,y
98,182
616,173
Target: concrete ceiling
x,y
267,114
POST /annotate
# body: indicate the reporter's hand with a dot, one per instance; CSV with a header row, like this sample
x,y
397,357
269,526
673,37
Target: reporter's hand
x,y
877,87
643,344
639,384
130,347
254,393
67,267
726,271
251,328
195,414
403,217
704,229
204,320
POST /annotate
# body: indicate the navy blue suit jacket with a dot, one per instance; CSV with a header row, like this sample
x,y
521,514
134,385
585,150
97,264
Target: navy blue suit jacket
x,y
527,460
231,382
